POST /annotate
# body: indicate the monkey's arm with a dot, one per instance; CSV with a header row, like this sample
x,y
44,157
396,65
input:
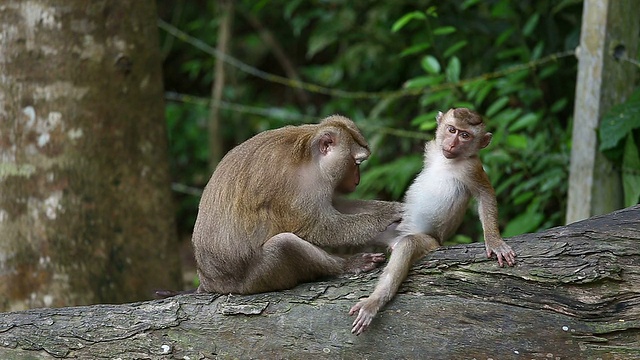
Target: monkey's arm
x,y
488,211
356,206
348,229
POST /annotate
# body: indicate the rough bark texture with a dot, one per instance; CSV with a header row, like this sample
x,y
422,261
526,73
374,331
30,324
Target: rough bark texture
x,y
574,294
85,213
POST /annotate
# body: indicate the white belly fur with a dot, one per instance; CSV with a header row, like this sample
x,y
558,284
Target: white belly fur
x,y
432,204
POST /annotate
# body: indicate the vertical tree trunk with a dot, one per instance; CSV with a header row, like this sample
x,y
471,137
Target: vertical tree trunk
x,y
85,205
225,8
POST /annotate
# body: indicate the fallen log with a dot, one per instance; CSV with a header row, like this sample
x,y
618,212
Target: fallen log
x,y
574,294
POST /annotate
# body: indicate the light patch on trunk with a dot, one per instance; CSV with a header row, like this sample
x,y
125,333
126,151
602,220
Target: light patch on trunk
x,y
52,205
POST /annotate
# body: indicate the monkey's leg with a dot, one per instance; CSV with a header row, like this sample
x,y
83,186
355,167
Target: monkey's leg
x,y
287,260
409,249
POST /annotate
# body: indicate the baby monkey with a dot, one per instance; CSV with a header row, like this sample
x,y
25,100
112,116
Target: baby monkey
x,y
435,205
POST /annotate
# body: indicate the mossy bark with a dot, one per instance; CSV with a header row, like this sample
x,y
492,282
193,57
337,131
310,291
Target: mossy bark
x,y
574,294
85,202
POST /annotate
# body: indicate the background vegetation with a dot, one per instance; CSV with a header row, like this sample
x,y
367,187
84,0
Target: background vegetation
x,y
390,66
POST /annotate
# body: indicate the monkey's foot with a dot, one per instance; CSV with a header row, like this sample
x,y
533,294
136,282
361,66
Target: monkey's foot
x,y
367,309
363,262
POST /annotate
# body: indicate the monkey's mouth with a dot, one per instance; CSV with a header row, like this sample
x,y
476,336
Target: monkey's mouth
x,y
448,154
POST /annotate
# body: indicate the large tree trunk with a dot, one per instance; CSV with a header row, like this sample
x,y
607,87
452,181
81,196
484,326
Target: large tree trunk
x,y
85,204
574,294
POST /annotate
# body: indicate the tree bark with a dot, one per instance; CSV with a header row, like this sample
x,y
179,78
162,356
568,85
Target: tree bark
x,y
85,202
574,294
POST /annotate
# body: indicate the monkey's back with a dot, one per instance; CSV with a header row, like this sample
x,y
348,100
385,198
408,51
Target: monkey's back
x,y
241,206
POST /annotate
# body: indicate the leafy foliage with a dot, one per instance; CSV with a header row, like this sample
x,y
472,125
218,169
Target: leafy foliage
x,y
619,139
412,59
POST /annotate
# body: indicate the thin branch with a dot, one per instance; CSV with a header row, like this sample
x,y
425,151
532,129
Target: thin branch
x,y
224,34
267,37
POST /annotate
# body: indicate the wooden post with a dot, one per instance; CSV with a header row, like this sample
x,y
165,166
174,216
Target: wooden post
x,y
608,26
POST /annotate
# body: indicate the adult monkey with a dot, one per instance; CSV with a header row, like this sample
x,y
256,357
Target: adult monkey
x,y
435,204
272,202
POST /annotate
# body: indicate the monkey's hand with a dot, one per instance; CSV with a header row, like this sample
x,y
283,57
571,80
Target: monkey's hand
x,y
367,309
363,262
503,252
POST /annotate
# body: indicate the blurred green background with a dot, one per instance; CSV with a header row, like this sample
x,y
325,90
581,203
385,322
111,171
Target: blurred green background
x,y
390,66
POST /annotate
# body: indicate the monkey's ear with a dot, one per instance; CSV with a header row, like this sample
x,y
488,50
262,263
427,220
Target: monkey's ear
x,y
486,139
325,143
439,117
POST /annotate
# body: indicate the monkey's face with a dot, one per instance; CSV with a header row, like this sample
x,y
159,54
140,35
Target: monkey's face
x,y
351,178
339,157
459,139
456,142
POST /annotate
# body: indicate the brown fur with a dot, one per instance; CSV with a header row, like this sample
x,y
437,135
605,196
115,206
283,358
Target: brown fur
x,y
435,205
268,208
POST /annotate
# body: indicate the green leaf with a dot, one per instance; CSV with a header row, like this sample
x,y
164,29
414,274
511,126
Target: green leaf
x,y
468,3
558,105
478,90
619,121
393,177
462,103
422,82
328,75
523,198
515,178
537,51
415,49
517,141
507,116
445,30
430,64
497,106
319,41
630,175
453,69
436,97
454,48
290,8
425,121
459,239
517,52
548,70
524,223
484,91
527,120
528,28
504,37
404,20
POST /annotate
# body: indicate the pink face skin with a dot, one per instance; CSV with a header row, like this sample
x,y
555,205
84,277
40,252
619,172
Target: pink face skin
x,y
456,142
350,180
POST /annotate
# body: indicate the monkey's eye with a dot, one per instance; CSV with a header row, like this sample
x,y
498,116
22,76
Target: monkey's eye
x,y
451,129
465,135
